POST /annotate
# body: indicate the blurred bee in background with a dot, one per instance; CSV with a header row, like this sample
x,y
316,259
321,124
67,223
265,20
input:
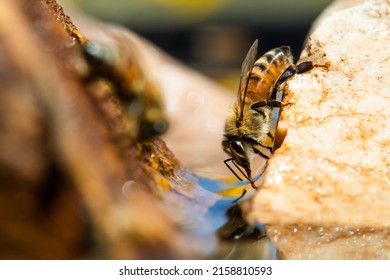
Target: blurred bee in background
x,y
138,94
118,71
248,123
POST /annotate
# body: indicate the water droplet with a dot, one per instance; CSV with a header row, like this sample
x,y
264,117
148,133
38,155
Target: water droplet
x,y
337,230
71,43
127,188
194,98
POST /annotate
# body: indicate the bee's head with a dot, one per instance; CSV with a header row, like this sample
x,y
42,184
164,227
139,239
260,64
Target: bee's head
x,y
237,149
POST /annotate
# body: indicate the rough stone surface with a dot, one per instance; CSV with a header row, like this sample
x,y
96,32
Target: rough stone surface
x,y
316,242
333,167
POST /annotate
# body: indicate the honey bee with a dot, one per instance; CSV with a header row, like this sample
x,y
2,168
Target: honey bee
x,y
248,124
138,93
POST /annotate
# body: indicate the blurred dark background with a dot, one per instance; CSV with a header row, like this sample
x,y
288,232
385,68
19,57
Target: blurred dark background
x,y
212,36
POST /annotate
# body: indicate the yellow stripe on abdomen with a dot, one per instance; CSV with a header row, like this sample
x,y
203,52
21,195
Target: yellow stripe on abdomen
x,y
266,71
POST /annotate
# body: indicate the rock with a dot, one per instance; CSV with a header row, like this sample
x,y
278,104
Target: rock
x,y
332,169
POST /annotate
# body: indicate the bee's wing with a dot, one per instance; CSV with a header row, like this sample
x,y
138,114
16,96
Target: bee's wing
x,y
246,69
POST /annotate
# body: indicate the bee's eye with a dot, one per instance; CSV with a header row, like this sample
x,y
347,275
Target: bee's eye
x,y
237,147
239,154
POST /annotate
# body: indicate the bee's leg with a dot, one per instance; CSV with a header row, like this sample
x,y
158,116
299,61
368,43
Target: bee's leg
x,y
241,196
248,177
292,70
231,169
255,142
270,103
289,72
304,67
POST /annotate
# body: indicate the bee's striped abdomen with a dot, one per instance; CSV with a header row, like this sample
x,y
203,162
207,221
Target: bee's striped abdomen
x,y
266,71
